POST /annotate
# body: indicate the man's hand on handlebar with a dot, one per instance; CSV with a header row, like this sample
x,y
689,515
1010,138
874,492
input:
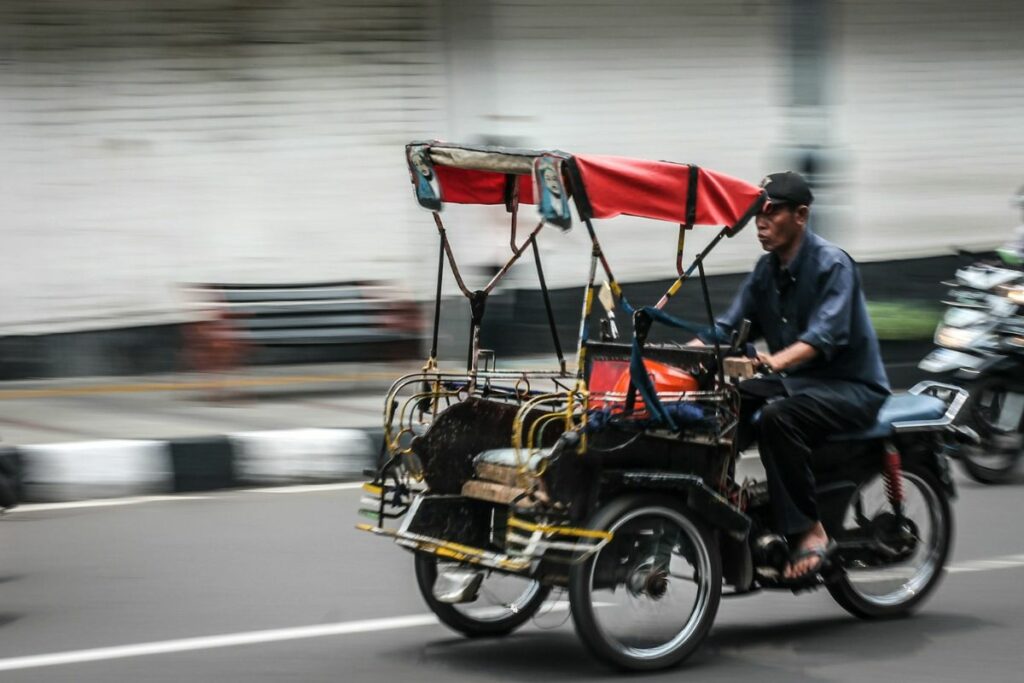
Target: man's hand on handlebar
x,y
767,363
741,367
792,355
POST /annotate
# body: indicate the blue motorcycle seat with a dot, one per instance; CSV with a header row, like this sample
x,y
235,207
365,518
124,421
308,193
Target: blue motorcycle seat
x,y
896,409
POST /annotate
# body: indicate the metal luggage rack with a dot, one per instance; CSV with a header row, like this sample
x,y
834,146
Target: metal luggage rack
x,y
958,396
411,415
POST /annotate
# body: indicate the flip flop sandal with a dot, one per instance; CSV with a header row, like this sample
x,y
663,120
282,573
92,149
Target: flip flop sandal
x,y
824,553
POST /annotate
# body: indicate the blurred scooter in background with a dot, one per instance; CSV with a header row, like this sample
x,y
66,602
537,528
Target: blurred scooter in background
x,y
981,347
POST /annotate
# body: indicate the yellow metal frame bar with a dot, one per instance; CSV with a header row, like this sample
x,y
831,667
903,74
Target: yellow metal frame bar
x,y
456,551
548,530
464,553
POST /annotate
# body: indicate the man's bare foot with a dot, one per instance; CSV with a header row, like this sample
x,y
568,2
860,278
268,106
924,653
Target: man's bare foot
x,y
809,555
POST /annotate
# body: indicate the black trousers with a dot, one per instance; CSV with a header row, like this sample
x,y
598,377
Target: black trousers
x,y
789,429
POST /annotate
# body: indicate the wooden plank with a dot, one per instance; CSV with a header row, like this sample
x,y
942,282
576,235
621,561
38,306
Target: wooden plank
x,y
496,493
501,474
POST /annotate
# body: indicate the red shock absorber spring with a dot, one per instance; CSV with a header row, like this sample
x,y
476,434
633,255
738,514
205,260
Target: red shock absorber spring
x,y
893,481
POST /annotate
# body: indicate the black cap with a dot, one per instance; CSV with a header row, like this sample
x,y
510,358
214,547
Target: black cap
x,y
787,186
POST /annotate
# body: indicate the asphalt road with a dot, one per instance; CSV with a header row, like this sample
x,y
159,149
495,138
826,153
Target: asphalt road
x,y
278,586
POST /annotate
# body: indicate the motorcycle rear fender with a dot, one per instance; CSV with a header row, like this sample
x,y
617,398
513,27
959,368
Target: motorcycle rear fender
x,y
709,505
917,448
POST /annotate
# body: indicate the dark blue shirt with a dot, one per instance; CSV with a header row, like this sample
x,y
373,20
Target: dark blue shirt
x,y
817,300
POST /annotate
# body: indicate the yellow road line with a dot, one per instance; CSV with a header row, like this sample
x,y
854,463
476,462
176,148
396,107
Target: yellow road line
x,y
196,385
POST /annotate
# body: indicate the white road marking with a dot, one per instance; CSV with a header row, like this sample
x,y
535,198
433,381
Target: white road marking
x,y
214,642
276,635
213,495
308,488
1004,562
100,503
327,630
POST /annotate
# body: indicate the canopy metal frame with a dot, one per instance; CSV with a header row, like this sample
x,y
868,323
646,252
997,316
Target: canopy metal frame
x,y
478,298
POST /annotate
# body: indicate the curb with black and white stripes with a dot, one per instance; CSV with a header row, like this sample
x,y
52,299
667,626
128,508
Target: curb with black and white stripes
x,y
129,467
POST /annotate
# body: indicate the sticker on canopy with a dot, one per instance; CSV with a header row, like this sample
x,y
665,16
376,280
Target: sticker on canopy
x,y
424,178
552,199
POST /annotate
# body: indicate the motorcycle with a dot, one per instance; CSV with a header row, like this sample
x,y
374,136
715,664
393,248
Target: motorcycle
x,y
613,478
981,347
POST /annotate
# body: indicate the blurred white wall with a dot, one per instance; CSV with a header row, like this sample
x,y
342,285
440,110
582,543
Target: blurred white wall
x,y
149,144
693,82
930,122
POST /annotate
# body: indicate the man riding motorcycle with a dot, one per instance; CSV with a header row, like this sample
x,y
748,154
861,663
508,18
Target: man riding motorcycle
x,y
804,299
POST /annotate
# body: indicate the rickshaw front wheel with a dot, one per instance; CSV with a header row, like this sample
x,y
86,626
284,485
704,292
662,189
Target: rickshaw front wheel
x,y
647,599
503,604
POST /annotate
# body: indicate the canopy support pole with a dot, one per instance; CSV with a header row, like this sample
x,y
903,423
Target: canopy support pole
x,y
431,364
478,298
698,262
437,302
547,307
512,204
588,304
497,276
515,257
477,305
679,249
613,284
711,321
451,257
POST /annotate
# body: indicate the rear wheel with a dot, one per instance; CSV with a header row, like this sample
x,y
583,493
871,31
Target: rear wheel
x,y
876,589
504,602
647,599
994,410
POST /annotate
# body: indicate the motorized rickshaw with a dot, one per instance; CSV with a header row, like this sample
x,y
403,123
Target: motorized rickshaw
x,y
613,477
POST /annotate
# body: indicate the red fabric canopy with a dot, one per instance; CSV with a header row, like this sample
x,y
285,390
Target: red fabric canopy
x,y
464,186
659,189
610,186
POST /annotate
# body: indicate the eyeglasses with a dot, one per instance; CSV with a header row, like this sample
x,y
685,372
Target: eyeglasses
x,y
771,207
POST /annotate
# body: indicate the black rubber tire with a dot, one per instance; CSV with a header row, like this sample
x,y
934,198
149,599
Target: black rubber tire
x,y
854,603
587,627
989,475
450,616
978,469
